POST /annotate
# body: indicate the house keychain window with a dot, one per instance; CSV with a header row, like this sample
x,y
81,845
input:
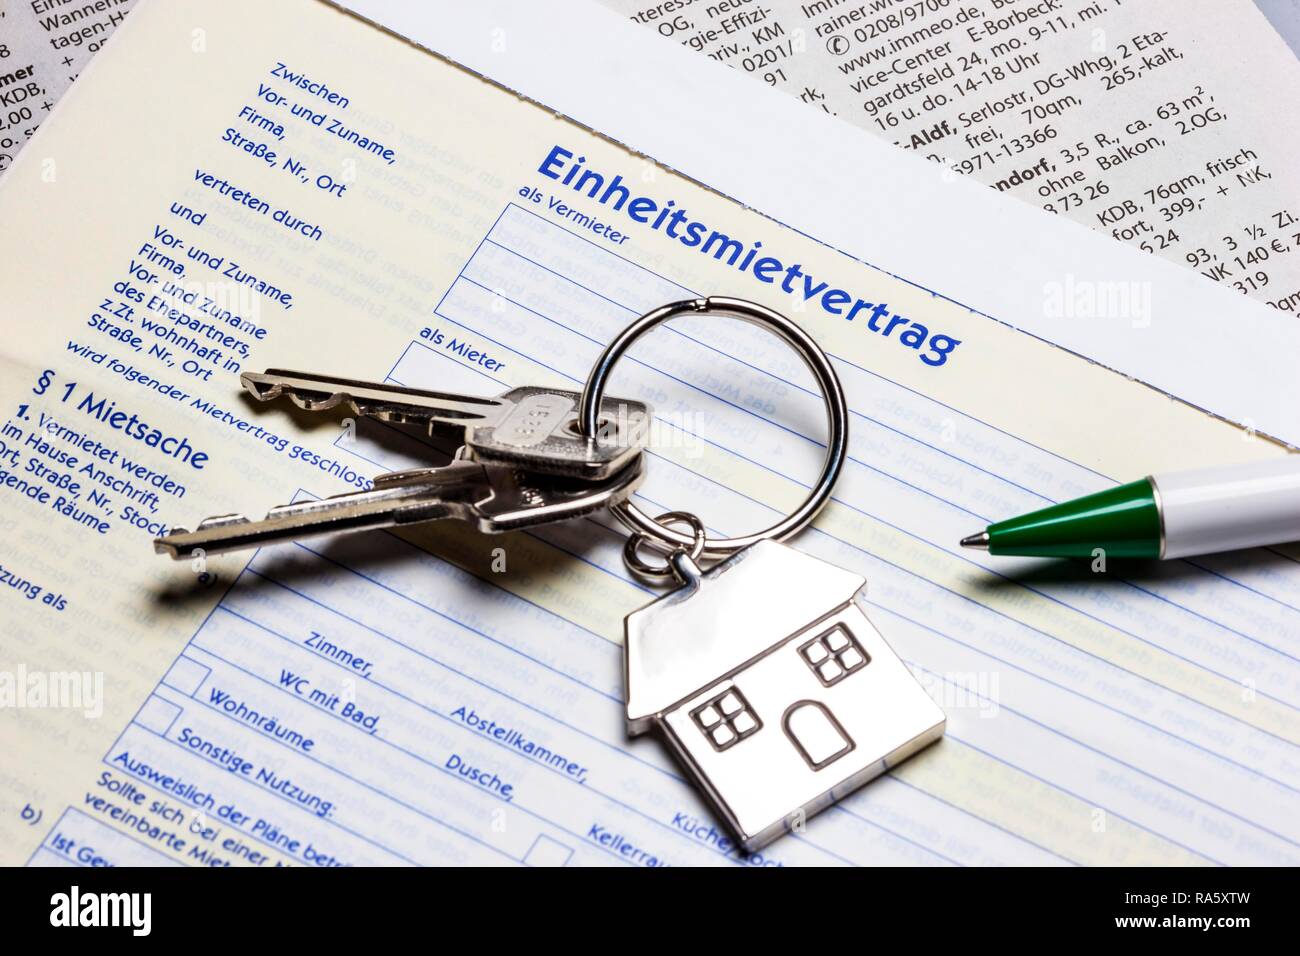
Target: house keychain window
x,y
763,673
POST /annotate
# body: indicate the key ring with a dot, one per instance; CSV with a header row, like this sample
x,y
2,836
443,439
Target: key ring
x,y
680,564
645,527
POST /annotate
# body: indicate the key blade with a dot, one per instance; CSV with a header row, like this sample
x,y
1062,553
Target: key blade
x,y
397,499
522,499
389,403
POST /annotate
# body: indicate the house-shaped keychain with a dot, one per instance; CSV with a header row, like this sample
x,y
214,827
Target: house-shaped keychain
x,y
773,688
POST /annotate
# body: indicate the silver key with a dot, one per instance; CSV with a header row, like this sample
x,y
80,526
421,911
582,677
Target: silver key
x,y
495,497
535,428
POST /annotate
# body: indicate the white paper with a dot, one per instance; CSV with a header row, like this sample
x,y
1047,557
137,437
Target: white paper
x,y
1148,122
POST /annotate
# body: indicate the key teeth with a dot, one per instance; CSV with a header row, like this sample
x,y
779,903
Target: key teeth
x,y
312,404
221,521
265,388
262,388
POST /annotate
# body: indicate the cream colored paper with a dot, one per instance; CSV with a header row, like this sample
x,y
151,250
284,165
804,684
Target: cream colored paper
x,y
431,699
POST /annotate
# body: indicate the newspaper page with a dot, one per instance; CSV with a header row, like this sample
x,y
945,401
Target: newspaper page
x,y
44,44
1161,123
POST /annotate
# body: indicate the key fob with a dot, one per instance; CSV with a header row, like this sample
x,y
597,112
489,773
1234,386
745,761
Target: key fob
x,y
773,688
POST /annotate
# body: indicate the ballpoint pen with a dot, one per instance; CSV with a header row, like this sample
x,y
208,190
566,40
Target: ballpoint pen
x,y
1170,515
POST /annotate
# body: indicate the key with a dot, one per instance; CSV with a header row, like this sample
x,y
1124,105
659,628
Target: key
x,y
535,428
494,496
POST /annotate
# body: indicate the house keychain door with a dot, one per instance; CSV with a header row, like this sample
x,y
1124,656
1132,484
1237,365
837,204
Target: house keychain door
x,y
763,673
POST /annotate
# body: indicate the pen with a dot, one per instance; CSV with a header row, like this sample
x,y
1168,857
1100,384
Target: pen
x,y
1162,516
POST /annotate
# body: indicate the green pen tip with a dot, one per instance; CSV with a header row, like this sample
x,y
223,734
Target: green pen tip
x,y
980,541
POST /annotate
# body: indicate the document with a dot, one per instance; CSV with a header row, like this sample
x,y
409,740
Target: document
x,y
1155,123
306,190
44,45
1093,311
887,207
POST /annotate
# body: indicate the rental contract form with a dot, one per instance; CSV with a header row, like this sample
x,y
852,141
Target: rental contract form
x,y
237,186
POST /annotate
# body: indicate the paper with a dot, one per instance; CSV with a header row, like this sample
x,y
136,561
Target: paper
x,y
445,697
1130,311
1125,118
44,45
1094,311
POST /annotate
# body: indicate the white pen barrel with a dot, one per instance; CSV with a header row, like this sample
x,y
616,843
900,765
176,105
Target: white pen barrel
x,y
1230,506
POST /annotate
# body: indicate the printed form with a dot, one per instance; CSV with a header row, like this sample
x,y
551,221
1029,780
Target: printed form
x,y
240,185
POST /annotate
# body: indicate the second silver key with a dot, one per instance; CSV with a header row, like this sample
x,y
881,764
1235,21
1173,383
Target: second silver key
x,y
495,497
533,427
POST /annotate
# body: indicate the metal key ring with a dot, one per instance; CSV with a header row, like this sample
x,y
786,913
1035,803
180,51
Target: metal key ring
x,y
637,520
632,550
